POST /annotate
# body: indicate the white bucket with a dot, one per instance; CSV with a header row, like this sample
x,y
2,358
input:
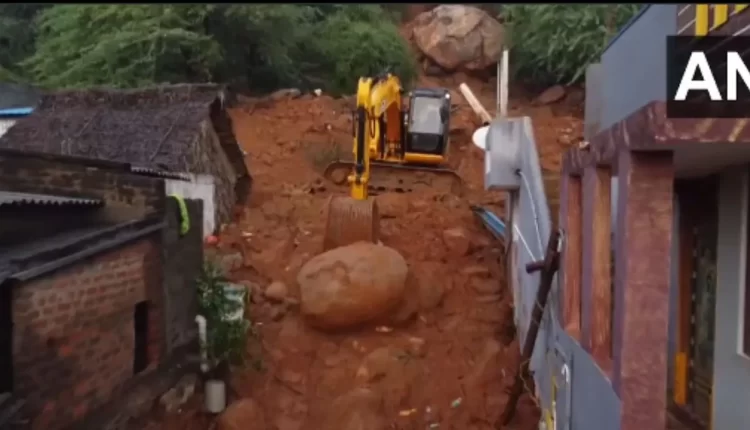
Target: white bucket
x,y
215,396
235,293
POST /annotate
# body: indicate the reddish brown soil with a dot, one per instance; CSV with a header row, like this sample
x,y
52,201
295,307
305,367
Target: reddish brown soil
x,y
287,143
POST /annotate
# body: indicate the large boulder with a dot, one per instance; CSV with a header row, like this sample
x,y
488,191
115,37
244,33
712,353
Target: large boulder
x,y
351,285
458,37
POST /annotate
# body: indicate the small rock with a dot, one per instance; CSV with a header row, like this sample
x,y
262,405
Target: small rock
x,y
288,93
431,294
377,363
318,92
276,292
359,409
239,414
457,241
179,394
485,286
477,270
287,423
278,312
417,347
480,242
418,205
231,262
392,205
551,95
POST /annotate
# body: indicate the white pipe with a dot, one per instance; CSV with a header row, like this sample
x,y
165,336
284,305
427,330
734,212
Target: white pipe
x,y
503,85
201,321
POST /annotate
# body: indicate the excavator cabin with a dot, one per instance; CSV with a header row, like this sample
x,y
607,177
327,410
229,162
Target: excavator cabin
x,y
426,126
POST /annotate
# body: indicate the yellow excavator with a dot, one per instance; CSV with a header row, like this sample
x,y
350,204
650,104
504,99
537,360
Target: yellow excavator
x,y
406,147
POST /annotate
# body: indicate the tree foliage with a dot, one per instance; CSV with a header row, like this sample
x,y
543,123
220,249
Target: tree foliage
x,y
262,47
554,43
252,46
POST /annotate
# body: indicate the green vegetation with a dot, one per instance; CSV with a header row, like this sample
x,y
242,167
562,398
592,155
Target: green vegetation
x,y
264,47
554,43
258,46
226,339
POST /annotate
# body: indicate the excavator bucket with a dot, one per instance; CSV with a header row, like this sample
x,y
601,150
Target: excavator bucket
x,y
351,221
401,178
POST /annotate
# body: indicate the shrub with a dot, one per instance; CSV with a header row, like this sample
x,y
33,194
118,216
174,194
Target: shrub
x,y
357,41
554,43
225,339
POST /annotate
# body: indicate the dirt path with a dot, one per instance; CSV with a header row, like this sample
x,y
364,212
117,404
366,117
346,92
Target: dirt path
x,y
453,358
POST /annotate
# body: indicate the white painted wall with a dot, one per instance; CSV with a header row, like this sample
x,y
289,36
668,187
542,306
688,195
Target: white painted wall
x,y
199,187
5,124
731,388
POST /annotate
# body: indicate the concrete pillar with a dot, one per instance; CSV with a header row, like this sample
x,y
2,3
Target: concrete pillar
x,y
642,270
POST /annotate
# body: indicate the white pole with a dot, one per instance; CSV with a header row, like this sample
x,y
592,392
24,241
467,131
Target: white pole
x,y
503,85
497,88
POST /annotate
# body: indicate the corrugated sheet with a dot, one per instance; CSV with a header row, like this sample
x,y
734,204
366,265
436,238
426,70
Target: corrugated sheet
x,y
160,173
8,198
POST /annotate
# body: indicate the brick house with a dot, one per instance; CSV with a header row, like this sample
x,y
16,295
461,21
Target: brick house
x,y
180,129
96,290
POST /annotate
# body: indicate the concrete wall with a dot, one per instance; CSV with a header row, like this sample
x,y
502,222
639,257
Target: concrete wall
x,y
182,261
73,332
198,187
731,396
626,84
585,398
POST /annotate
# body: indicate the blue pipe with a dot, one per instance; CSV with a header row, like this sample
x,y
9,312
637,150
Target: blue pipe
x,y
495,225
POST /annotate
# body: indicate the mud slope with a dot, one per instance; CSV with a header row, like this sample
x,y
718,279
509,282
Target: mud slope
x,y
457,355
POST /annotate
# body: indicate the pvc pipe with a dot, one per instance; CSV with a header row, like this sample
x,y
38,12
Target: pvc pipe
x,y
215,396
201,321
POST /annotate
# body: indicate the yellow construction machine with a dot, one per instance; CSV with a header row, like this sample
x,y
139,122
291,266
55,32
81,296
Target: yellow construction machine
x,y
405,147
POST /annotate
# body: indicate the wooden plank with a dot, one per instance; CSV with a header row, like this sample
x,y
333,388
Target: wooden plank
x,y
597,246
571,259
685,276
475,104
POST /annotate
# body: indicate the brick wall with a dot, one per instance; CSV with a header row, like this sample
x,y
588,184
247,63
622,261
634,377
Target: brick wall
x,y
128,196
74,335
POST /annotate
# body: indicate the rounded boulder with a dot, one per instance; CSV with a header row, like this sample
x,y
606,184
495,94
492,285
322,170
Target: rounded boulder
x,y
351,285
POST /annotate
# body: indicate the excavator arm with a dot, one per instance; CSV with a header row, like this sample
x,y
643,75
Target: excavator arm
x,y
375,97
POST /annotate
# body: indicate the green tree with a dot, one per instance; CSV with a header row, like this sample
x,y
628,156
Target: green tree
x,y
257,46
16,36
357,41
122,45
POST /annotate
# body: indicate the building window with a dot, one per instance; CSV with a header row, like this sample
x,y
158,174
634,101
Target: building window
x,y
140,327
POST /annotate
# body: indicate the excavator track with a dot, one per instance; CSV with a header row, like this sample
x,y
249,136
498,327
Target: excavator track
x,y
400,178
351,221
